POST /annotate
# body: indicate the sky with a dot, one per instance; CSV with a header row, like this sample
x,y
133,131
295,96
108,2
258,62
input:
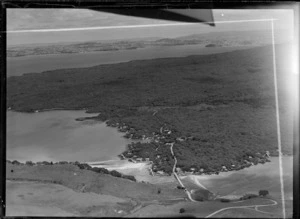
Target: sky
x,y
127,27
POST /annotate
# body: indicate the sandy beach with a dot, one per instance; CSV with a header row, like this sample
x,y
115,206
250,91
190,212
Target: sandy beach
x,y
226,183
139,170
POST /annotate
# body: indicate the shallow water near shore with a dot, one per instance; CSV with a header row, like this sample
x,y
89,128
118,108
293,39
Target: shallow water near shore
x,y
250,180
57,136
247,180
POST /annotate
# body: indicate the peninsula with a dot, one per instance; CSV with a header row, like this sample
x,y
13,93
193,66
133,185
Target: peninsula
x,y
217,110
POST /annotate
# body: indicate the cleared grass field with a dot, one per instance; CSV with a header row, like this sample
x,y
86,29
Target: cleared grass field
x,y
44,199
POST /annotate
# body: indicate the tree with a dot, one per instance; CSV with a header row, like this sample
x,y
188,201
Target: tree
x,y
159,191
84,166
15,162
115,173
224,200
263,192
182,210
29,163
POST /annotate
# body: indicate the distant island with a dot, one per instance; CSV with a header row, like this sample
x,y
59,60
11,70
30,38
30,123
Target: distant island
x,y
217,110
239,38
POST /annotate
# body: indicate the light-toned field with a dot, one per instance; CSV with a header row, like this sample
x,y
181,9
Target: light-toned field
x,y
203,209
109,196
139,170
45,199
249,180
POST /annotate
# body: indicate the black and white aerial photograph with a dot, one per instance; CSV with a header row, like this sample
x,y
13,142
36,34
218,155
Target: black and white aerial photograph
x,y
154,113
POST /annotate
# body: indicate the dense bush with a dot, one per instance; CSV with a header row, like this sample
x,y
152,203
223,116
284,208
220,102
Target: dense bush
x,y
159,190
100,170
263,192
29,163
115,173
15,162
105,171
224,200
236,121
84,166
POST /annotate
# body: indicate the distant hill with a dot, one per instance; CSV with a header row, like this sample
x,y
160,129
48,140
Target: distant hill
x,y
229,38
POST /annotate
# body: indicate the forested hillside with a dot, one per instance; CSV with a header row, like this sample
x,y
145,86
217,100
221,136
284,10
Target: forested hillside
x,y
218,109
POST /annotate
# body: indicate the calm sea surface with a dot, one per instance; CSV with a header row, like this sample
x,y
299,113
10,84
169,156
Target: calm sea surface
x,y
30,64
57,136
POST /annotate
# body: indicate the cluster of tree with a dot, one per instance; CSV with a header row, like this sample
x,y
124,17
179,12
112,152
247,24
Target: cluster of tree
x,y
224,200
158,153
80,165
263,192
105,171
202,195
211,45
189,152
181,210
30,163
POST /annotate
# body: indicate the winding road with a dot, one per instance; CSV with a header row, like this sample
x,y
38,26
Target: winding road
x,y
245,207
250,207
177,177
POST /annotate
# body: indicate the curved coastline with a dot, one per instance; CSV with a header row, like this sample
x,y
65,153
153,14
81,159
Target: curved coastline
x,y
160,136
154,135
132,162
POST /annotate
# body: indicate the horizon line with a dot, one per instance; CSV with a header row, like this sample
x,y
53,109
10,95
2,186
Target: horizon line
x,y
130,26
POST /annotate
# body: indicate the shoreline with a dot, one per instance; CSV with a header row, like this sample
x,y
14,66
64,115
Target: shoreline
x,y
131,162
225,49
154,130
199,44
127,165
